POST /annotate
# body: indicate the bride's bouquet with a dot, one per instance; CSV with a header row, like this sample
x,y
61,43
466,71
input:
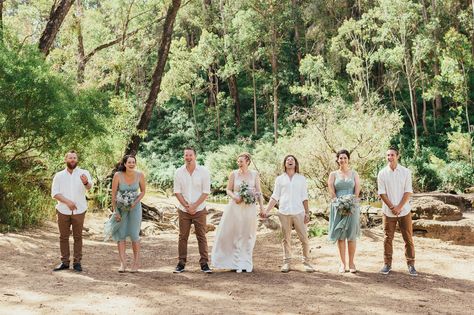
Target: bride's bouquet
x,y
346,205
125,199
246,194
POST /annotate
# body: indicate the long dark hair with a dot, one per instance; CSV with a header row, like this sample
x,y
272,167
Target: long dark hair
x,y
297,165
122,167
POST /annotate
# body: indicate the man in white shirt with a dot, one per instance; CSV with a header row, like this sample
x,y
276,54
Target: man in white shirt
x,y
69,189
395,188
291,193
192,185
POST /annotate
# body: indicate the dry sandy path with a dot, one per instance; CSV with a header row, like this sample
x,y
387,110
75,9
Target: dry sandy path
x,y
28,286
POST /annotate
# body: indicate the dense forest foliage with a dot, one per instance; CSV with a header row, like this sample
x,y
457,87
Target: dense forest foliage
x,y
271,77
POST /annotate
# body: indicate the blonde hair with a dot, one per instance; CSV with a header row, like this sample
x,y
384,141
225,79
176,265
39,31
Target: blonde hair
x,y
246,156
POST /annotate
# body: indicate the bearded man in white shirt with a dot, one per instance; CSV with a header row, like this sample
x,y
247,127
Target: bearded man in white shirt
x,y
291,193
395,188
69,189
192,185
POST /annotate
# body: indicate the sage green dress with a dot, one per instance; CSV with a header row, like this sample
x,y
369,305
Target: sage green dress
x,y
131,221
344,227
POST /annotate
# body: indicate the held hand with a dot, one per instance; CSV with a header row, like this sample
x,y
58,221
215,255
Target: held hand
x,y
263,214
306,218
191,209
238,199
134,204
397,210
84,179
118,217
71,205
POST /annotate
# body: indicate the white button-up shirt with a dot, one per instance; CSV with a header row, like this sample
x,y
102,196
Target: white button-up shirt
x,y
71,187
290,193
394,184
192,186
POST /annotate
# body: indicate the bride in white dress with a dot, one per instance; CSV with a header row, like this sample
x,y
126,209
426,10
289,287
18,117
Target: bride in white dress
x,y
236,233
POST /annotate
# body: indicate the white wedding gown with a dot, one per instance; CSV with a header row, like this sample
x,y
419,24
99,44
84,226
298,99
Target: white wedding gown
x,y
236,233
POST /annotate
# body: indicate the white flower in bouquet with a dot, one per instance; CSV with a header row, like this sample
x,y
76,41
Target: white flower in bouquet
x,y
247,194
125,199
346,205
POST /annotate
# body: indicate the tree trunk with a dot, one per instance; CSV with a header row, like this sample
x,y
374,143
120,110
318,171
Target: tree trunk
x,y
299,48
255,127
234,93
80,43
212,83
472,34
193,106
163,52
412,105
217,111
56,18
438,103
425,128
1,21
118,81
275,82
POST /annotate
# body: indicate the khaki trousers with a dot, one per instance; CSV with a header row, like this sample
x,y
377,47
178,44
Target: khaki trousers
x,y
64,225
199,221
287,222
406,228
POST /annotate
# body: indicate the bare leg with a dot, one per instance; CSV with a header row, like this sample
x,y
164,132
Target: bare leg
x,y
136,255
122,256
341,244
351,246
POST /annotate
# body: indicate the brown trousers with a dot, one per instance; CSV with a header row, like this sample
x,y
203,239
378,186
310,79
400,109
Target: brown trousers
x,y
199,221
287,222
64,224
406,228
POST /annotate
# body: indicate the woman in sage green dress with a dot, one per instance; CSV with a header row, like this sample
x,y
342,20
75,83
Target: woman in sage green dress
x,y
128,189
344,228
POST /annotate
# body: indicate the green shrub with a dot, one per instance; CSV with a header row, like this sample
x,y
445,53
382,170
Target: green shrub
x,y
457,176
425,174
317,230
222,162
23,204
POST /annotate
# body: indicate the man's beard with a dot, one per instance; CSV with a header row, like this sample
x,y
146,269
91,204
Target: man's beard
x,y
71,166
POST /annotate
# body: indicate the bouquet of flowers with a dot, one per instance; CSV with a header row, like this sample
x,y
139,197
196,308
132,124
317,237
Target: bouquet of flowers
x,y
125,199
346,205
246,194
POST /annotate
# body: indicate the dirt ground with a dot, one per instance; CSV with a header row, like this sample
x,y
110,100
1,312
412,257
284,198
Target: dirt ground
x,y
28,286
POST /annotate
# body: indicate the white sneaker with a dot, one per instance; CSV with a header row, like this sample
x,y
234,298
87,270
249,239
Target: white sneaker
x,y
308,267
285,268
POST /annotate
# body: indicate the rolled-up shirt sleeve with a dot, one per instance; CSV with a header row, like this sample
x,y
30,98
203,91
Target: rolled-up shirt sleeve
x,y
304,190
176,183
408,183
276,190
206,183
381,185
55,187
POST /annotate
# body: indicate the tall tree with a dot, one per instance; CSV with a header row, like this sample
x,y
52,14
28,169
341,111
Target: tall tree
x,y
1,21
57,15
399,23
274,17
157,77
298,38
